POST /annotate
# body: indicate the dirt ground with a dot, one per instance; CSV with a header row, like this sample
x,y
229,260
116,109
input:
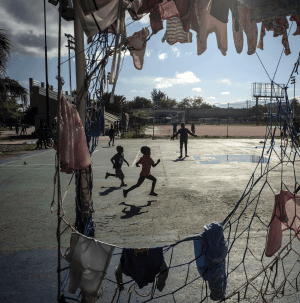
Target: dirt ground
x,y
214,130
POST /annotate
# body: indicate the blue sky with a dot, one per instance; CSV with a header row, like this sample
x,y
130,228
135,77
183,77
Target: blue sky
x,y
176,70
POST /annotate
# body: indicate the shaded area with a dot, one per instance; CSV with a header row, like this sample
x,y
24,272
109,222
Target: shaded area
x,y
134,210
108,190
219,159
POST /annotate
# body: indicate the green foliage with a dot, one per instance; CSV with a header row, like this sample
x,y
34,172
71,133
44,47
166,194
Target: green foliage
x,y
141,114
140,102
295,105
30,113
157,95
9,108
119,105
133,134
261,109
5,51
167,103
194,102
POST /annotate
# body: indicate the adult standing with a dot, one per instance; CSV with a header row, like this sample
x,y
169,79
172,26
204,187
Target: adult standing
x,y
183,132
175,129
17,128
41,134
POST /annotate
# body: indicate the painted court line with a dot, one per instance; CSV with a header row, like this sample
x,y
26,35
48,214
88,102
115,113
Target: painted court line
x,y
135,160
21,158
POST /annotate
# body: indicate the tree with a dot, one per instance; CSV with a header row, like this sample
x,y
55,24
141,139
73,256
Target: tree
x,y
295,105
140,102
261,109
5,50
141,114
167,103
185,103
118,106
157,95
9,108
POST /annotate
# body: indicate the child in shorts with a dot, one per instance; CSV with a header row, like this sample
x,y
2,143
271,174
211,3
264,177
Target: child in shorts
x,y
146,162
117,161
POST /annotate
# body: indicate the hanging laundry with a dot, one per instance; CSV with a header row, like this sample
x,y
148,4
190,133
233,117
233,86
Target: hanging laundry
x,y
220,10
137,47
210,253
279,26
168,9
267,9
73,147
204,24
89,260
286,215
143,265
250,29
185,9
175,33
297,20
100,19
156,22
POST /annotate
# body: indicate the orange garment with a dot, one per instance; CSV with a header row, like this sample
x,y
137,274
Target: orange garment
x,y
146,162
286,215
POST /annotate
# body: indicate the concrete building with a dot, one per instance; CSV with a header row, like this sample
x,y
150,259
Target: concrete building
x,y
38,100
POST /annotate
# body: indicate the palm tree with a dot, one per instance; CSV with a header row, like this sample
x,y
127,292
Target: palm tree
x,y
9,86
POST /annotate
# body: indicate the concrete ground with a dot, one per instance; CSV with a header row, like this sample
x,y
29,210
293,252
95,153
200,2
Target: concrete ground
x,y
190,195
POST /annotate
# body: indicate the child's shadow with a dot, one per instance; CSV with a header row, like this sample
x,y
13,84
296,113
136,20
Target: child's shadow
x,y
134,210
108,190
179,159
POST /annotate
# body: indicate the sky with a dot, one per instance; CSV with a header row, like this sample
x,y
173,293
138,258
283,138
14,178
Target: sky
x,y
176,70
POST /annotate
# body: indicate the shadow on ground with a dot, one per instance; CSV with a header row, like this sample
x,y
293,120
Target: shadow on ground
x,y
108,190
134,210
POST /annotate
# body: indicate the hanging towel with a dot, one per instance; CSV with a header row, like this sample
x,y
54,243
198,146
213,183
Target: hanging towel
x,y
168,9
142,265
73,147
89,260
286,215
297,20
211,250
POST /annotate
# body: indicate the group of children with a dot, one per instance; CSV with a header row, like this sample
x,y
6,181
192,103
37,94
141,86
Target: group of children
x,y
146,161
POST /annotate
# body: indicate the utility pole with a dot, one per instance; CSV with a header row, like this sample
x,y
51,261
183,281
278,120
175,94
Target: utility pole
x,y
294,103
227,119
256,110
108,76
71,43
46,68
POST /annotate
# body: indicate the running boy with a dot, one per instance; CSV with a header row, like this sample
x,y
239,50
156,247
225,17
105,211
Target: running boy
x,y
117,161
146,162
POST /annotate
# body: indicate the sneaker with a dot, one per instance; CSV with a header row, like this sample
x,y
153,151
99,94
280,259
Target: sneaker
x,y
124,193
153,194
186,155
179,157
106,176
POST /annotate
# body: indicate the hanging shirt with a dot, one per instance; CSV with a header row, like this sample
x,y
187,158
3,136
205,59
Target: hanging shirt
x,y
286,215
297,20
210,253
89,260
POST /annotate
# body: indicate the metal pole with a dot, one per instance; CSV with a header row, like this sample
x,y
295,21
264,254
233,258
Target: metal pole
x,y
70,66
153,123
46,67
256,110
80,63
227,119
58,163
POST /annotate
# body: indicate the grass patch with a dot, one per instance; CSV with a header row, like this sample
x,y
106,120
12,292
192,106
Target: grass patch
x,y
10,149
134,134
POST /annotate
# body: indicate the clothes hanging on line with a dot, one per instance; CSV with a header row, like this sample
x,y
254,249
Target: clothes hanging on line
x,y
250,29
89,260
175,33
220,10
168,9
143,265
73,148
297,20
286,215
137,47
186,9
279,26
210,252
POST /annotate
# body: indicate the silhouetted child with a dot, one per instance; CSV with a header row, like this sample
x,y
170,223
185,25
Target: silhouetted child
x,y
111,134
117,161
146,162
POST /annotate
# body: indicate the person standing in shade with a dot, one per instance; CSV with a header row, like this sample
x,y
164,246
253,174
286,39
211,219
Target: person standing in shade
x,y
193,128
41,134
183,132
111,134
175,129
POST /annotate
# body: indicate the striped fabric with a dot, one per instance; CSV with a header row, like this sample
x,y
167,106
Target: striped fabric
x,y
175,33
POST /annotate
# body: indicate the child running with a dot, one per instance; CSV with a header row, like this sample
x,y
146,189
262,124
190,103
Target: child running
x,y
146,162
117,161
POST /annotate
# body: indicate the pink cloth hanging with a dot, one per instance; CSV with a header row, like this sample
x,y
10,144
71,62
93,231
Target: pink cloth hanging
x,y
296,18
73,147
168,9
286,215
137,47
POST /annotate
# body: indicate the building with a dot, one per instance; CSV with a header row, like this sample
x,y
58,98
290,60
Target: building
x,y
38,100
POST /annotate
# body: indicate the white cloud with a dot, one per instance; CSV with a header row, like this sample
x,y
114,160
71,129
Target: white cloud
x,y
148,53
211,98
188,53
225,81
162,56
176,51
127,53
225,93
197,89
137,91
